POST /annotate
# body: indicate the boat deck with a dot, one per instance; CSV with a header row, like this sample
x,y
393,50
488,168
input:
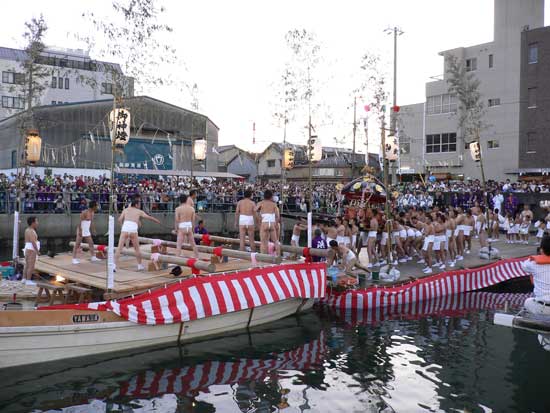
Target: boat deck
x,y
127,278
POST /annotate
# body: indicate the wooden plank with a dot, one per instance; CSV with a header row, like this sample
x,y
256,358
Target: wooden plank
x,y
94,274
52,317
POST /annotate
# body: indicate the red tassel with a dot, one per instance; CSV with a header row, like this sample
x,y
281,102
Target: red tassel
x,y
206,239
191,263
307,254
217,251
101,248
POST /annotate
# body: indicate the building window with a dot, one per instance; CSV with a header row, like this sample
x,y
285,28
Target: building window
x,y
14,159
531,142
440,104
66,83
532,97
444,142
107,88
11,102
54,102
491,61
13,78
54,82
493,144
533,53
471,64
60,82
494,102
405,148
271,163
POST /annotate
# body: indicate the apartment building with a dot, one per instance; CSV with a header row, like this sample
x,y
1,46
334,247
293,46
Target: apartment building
x,y
429,134
73,76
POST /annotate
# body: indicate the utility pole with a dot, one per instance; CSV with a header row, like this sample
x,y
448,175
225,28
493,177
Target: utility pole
x,y
396,31
354,132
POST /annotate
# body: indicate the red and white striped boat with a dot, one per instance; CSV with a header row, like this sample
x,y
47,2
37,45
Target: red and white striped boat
x,y
189,310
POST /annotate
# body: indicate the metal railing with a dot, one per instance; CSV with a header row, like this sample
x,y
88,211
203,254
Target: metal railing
x,y
75,202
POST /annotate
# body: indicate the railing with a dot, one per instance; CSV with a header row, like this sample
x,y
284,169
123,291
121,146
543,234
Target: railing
x,y
75,202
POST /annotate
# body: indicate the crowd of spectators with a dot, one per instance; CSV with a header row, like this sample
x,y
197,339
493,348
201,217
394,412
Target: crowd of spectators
x,y
67,193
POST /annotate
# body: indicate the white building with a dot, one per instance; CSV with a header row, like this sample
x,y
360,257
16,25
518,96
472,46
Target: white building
x,y
73,77
429,135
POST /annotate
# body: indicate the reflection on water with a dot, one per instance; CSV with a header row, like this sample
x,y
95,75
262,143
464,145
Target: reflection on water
x,y
445,359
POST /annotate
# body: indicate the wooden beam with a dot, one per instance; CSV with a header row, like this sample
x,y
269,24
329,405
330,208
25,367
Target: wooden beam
x,y
226,252
170,259
316,252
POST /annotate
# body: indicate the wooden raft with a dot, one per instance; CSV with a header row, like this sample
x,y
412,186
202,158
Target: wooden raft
x,y
94,274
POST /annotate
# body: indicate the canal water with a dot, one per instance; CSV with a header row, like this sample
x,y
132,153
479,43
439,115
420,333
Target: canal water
x,y
451,361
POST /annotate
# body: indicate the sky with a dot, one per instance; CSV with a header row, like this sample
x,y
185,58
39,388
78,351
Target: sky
x,y
235,52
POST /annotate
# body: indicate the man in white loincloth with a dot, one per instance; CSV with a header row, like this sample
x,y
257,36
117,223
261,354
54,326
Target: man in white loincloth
x,y
31,250
269,218
296,232
130,219
84,232
185,221
244,219
349,259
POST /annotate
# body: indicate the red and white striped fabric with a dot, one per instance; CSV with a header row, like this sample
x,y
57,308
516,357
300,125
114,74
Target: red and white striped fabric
x,y
444,284
450,305
201,297
190,380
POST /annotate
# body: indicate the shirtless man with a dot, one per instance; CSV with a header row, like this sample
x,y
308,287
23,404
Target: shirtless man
x,y
31,250
481,228
192,197
130,218
244,218
84,232
349,259
427,247
340,232
269,218
440,240
469,223
450,227
459,234
296,231
526,219
184,218
331,232
371,240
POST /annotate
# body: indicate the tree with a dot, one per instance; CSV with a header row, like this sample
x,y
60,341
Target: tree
x,y
471,110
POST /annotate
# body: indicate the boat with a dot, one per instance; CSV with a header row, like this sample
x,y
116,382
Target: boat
x,y
156,307
523,320
122,377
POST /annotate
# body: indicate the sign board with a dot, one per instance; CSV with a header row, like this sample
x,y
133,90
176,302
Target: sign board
x,y
120,122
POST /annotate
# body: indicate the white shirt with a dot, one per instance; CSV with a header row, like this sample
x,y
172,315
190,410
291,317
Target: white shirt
x,y
541,277
497,202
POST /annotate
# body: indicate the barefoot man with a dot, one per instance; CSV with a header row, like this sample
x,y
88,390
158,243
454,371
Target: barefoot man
x,y
84,232
269,218
244,218
130,220
185,221
296,232
32,249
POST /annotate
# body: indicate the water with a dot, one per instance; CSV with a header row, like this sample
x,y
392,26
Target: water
x,y
454,361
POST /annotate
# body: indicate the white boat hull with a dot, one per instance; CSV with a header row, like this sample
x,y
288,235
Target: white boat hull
x,y
28,344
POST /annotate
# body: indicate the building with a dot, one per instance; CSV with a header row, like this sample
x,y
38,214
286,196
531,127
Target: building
x,y
243,164
534,117
429,134
335,165
76,135
73,76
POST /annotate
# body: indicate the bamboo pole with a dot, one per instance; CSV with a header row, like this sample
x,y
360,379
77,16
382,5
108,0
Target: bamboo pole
x,y
201,265
315,252
225,251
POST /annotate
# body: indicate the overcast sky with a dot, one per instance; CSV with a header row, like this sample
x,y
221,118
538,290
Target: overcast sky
x,y
235,50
